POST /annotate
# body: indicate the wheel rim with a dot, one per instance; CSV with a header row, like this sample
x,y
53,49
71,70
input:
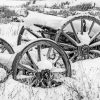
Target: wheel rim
x,y
79,48
5,48
44,71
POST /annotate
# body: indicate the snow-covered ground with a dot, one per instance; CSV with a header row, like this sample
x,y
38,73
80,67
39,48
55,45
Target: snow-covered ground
x,y
84,84
85,81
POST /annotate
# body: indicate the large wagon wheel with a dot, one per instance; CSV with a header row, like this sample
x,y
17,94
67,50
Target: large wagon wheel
x,y
80,38
5,48
43,73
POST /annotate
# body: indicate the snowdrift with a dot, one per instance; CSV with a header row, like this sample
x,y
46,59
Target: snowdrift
x,y
83,84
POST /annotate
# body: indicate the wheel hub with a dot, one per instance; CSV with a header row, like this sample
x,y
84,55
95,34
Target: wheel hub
x,y
83,50
45,74
43,77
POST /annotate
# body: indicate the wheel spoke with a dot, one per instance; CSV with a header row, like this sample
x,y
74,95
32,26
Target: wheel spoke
x,y
39,52
81,25
94,37
95,51
95,44
38,82
91,56
70,52
35,82
33,65
74,57
71,40
3,49
48,53
25,40
67,45
74,32
30,31
91,28
55,61
26,67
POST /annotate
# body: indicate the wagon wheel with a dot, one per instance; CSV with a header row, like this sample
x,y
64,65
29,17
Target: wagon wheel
x,y
81,37
5,48
44,73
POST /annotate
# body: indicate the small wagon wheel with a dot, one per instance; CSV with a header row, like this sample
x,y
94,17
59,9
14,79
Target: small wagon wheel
x,y
81,37
41,73
5,48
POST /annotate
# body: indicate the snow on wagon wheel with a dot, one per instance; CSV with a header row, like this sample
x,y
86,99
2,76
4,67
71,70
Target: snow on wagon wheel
x,y
80,37
4,71
44,73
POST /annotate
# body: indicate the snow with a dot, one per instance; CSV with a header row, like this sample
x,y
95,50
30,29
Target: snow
x,y
45,64
17,91
12,2
84,38
9,32
85,79
48,20
3,74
